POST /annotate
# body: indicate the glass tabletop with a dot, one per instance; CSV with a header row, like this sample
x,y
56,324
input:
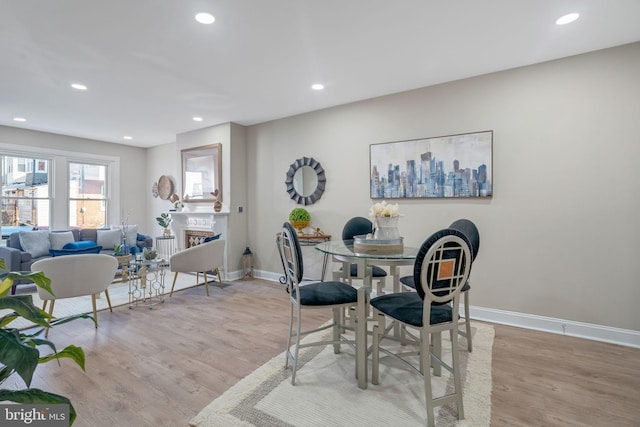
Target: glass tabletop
x,y
147,262
345,248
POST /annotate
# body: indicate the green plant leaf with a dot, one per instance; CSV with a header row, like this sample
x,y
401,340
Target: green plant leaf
x,y
23,306
9,277
72,352
68,319
37,396
17,356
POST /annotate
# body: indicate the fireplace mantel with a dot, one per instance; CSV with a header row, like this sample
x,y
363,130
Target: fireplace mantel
x,y
200,220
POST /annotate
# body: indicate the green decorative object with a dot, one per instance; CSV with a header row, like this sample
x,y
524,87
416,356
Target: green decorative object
x,y
150,254
20,351
164,220
299,218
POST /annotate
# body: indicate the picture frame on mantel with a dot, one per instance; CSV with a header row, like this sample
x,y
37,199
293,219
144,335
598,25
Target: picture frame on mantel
x,y
452,166
202,173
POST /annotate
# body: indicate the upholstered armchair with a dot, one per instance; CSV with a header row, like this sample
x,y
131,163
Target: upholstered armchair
x,y
208,256
76,275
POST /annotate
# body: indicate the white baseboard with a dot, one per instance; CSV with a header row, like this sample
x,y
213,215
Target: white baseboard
x,y
626,337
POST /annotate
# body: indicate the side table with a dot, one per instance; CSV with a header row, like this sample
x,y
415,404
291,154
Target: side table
x,y
123,265
165,246
146,282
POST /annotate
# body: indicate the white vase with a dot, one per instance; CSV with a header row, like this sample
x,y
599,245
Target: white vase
x,y
386,228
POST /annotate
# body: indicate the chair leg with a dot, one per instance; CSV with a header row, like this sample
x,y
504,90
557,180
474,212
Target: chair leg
x,y
288,349
106,293
467,321
175,277
382,284
378,330
425,361
95,312
337,326
296,352
206,282
456,376
436,344
219,277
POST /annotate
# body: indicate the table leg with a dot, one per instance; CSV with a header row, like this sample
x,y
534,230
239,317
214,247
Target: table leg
x,y
361,338
325,261
393,271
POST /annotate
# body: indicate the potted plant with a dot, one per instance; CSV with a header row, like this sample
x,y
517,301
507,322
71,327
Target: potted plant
x,y
19,352
299,218
150,254
164,220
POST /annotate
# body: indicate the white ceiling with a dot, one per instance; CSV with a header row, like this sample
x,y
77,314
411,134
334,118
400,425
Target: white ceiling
x,y
150,67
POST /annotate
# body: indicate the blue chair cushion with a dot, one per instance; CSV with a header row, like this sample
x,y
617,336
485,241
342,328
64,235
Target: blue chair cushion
x,y
211,238
375,270
326,293
82,244
61,252
407,307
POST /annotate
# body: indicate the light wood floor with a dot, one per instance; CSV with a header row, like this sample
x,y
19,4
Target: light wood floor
x,y
160,367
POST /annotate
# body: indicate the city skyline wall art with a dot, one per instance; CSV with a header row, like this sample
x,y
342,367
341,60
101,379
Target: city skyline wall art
x,y
449,166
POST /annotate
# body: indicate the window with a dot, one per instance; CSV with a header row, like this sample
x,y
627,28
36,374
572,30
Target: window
x,y
26,196
87,195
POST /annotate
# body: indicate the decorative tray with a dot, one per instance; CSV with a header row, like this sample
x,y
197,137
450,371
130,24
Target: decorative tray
x,y
362,244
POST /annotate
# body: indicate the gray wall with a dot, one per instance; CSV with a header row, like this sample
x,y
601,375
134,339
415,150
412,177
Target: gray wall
x,y
559,237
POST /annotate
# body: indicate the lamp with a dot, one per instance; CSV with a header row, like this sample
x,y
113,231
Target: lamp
x,y
247,264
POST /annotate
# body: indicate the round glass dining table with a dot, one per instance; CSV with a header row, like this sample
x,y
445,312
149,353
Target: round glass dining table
x,y
344,252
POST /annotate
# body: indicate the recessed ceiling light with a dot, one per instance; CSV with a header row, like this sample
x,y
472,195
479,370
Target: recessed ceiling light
x,y
566,19
19,119
127,137
205,18
197,119
317,86
78,86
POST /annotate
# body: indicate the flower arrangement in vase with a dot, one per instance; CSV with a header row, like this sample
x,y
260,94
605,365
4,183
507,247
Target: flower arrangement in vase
x,y
385,217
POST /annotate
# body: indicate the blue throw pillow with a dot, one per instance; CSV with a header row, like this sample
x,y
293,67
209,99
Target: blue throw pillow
x,y
82,244
142,237
90,250
208,239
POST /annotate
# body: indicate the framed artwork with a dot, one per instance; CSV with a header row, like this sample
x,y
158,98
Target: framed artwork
x,y
451,166
202,173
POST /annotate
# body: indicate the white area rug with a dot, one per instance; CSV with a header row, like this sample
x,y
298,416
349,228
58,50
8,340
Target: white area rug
x,y
118,292
326,392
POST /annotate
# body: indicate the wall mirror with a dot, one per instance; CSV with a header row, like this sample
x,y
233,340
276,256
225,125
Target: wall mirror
x,y
305,181
202,173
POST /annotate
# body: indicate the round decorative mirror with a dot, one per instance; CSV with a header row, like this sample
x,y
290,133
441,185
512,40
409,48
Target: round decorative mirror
x,y
305,181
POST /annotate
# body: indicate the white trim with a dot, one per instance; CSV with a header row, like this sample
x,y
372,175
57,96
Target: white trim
x,y
59,193
44,152
626,337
